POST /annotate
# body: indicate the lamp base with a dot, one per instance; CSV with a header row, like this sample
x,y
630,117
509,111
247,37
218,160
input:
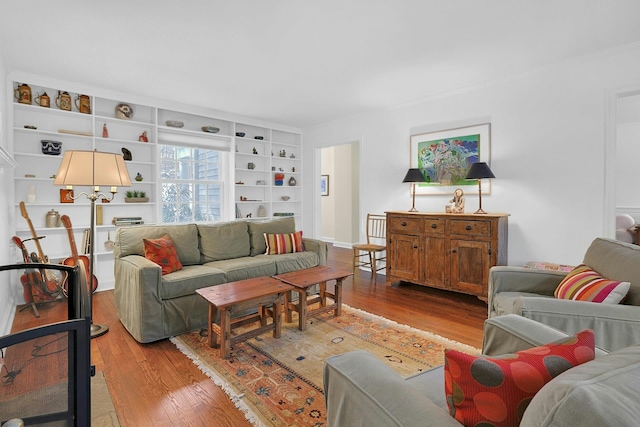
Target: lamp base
x,y
480,211
98,330
413,209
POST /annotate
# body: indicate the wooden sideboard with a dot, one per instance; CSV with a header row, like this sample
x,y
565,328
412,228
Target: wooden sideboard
x,y
446,251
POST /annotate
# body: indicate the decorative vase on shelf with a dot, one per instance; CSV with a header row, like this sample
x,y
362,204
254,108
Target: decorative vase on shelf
x,y
262,212
292,181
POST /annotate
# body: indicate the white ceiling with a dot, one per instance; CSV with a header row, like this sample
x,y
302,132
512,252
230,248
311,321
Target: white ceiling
x,y
299,62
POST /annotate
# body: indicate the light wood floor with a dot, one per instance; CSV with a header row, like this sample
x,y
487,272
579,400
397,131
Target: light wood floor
x,y
156,385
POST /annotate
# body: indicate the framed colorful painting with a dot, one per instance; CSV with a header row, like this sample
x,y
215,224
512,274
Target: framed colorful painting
x,y
444,158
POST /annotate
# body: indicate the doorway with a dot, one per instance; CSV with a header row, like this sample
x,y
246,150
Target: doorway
x,y
621,149
339,205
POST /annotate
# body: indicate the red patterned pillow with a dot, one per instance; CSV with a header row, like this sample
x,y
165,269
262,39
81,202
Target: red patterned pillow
x,y
163,252
495,391
284,243
585,284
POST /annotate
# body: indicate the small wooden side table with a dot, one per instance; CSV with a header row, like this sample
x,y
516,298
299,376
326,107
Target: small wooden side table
x,y
233,297
302,280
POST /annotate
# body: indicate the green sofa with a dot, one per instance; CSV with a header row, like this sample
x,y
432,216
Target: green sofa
x,y
152,306
361,390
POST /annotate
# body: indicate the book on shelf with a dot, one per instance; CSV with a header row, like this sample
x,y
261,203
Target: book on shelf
x,y
86,242
118,220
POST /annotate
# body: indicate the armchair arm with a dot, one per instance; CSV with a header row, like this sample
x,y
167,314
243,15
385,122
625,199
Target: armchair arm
x,y
137,295
520,279
361,391
511,333
616,326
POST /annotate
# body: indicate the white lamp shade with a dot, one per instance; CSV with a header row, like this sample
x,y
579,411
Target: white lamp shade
x,y
93,168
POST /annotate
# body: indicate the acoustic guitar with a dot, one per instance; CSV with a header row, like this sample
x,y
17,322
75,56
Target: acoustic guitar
x,y
54,280
76,259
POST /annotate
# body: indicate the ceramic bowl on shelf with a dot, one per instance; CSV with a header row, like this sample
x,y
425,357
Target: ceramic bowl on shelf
x,y
51,147
210,129
174,123
285,198
124,111
240,134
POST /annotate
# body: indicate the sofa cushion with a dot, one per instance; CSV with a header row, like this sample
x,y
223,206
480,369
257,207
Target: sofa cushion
x,y
483,390
163,252
603,392
245,268
186,281
257,229
224,241
585,284
292,262
128,240
287,243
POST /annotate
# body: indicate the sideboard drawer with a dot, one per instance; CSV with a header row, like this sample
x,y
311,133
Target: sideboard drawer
x,y
471,228
404,225
435,226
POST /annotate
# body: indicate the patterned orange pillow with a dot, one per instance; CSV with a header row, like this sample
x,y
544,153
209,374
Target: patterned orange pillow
x,y
163,252
495,391
284,243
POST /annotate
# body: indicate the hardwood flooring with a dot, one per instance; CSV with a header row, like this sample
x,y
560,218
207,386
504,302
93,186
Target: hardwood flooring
x,y
156,385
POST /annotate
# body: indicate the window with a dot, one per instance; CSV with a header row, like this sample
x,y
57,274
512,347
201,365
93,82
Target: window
x,y
191,184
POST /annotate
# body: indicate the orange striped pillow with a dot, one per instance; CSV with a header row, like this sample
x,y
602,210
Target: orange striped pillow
x,y
284,243
585,284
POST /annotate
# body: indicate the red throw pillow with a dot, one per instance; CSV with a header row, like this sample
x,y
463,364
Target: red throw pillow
x,y
284,243
163,252
495,391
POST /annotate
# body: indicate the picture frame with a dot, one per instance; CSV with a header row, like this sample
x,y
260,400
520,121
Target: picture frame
x,y
66,196
324,185
445,156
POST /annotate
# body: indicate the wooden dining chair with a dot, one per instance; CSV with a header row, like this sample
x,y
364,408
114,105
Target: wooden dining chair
x,y
370,253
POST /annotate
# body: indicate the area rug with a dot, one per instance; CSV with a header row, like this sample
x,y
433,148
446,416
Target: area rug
x,y
278,382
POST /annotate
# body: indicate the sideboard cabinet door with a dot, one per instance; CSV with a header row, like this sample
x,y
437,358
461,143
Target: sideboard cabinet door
x,y
403,251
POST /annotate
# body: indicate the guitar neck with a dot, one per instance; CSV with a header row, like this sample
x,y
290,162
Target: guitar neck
x,y
25,215
72,241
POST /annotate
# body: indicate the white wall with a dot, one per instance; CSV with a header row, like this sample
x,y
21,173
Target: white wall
x,y
7,292
547,152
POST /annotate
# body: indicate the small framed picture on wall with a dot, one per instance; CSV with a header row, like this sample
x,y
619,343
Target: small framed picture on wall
x,y
66,196
324,185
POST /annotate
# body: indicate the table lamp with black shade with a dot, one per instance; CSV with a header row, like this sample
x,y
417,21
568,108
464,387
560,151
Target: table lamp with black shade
x,y
93,169
479,171
414,175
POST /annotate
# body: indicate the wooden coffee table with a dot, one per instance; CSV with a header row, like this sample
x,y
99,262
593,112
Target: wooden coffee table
x,y
233,297
301,280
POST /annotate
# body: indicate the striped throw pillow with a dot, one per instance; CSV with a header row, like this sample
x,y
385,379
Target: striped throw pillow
x,y
284,243
585,284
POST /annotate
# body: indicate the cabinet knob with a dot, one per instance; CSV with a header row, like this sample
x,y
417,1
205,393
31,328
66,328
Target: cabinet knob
x,y
434,225
404,224
468,228
415,247
455,251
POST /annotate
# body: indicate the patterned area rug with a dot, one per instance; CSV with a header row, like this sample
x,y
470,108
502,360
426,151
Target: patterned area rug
x,y
278,382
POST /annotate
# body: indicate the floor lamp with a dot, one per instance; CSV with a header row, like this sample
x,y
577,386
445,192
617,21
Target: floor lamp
x,y
93,169
414,175
479,170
